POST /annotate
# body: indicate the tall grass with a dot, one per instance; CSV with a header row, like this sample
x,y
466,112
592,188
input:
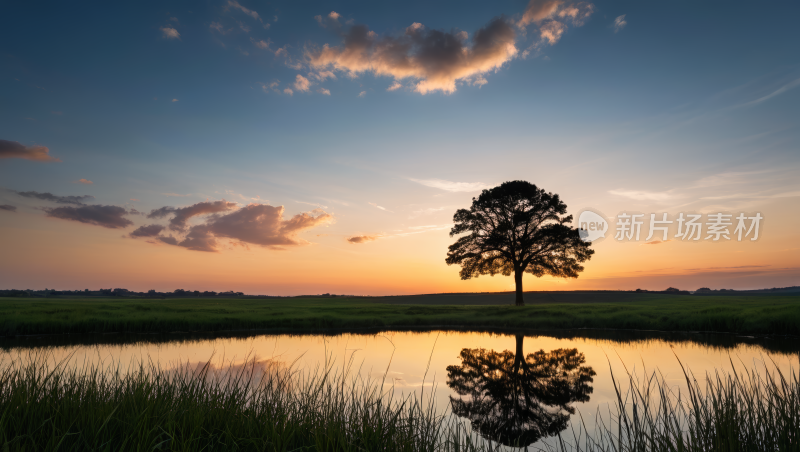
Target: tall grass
x,y
264,406
258,406
745,410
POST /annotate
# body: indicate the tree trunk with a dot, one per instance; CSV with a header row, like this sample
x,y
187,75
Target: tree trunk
x,y
518,356
518,281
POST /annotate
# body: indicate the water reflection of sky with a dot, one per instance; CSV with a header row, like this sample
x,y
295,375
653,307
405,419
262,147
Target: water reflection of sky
x,y
417,361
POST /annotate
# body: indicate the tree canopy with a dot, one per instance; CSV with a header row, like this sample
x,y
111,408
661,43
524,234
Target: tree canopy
x,y
514,399
516,228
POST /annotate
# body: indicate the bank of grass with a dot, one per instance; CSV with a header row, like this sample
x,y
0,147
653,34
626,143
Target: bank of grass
x,y
50,408
769,315
248,407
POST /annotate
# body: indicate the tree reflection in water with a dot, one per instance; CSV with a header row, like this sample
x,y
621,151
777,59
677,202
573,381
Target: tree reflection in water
x,y
515,399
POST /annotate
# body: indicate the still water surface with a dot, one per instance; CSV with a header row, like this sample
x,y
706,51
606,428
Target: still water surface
x,y
546,380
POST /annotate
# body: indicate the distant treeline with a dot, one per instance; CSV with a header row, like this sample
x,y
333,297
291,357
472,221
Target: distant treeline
x,y
125,293
707,291
182,293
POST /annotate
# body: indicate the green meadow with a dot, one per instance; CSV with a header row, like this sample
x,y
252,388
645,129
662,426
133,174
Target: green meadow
x,y
756,314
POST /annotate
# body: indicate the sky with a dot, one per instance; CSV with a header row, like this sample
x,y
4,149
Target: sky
x,y
288,148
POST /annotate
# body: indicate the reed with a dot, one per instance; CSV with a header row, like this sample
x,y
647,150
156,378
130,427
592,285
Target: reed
x,y
745,410
266,406
255,406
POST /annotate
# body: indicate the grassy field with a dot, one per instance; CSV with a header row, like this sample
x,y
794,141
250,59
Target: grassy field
x,y
736,314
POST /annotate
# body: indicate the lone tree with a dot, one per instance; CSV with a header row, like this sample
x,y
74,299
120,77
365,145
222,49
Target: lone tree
x,y
517,227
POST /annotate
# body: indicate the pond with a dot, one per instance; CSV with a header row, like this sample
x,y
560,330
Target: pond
x,y
546,382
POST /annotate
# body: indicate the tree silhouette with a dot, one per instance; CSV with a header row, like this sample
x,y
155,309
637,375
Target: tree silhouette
x,y
517,400
517,228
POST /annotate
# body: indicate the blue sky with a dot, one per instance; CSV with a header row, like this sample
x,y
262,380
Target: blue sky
x,y
632,104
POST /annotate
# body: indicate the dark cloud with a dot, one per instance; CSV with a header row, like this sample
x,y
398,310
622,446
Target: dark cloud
x,y
14,149
435,59
363,238
77,200
169,240
8,207
150,230
106,216
179,221
256,224
200,238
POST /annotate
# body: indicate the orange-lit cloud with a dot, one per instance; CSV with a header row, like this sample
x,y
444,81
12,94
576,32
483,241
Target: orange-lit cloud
x,y
553,17
436,59
84,181
301,83
539,11
14,149
551,31
363,238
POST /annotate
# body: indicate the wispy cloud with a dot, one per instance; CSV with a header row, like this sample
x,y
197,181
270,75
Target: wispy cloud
x,y
641,195
324,91
13,149
427,211
315,204
450,186
793,84
219,28
8,207
77,200
235,5
84,181
619,23
426,228
379,207
261,44
727,178
553,17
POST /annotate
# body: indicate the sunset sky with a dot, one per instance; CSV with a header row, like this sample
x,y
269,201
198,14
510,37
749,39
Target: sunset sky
x,y
307,147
